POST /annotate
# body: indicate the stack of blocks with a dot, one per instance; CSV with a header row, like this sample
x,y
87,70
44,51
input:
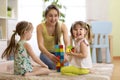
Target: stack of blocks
x,y
59,52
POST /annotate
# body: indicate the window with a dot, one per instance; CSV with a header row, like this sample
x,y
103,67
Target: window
x,y
76,10
31,10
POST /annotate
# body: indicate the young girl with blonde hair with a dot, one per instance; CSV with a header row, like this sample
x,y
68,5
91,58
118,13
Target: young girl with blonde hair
x,y
23,51
80,59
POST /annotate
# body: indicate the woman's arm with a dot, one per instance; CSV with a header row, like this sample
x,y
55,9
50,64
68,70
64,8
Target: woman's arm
x,y
33,56
66,39
41,41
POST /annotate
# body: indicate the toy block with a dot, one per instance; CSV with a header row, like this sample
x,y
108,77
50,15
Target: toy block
x,y
61,60
61,57
57,50
56,46
61,50
58,64
62,54
73,49
62,64
69,49
58,69
60,46
58,57
57,53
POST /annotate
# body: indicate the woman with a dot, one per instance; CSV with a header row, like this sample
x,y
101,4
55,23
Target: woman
x,y
49,34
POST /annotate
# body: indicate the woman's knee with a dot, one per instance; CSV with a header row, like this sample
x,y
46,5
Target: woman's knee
x,y
48,62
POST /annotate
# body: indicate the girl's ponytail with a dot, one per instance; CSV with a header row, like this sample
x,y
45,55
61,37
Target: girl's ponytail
x,y
11,48
89,34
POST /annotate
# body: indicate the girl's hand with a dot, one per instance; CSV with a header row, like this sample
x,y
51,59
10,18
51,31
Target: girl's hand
x,y
68,52
71,53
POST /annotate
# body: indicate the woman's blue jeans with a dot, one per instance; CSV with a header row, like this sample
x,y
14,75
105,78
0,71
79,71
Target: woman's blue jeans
x,y
48,62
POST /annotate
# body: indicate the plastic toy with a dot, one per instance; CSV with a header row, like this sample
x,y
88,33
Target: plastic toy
x,y
69,49
59,52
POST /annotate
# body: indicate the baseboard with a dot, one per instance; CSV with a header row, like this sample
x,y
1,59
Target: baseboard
x,y
116,57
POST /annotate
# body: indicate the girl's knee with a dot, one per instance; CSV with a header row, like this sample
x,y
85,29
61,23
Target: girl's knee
x,y
63,69
47,71
44,71
66,69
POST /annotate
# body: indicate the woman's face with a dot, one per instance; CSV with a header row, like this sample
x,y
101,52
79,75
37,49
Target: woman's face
x,y
52,17
79,32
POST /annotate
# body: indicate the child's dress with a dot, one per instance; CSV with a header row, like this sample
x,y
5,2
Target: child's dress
x,y
81,62
78,65
22,62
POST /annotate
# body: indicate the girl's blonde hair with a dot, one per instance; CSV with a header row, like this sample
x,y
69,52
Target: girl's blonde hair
x,y
21,27
84,25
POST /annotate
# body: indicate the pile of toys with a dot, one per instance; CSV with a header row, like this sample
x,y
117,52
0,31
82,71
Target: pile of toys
x,y
59,52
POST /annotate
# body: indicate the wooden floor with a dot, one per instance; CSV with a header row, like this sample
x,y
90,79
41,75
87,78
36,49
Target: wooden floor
x,y
116,71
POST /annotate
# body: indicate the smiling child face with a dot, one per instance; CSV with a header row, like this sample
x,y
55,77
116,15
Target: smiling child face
x,y
79,32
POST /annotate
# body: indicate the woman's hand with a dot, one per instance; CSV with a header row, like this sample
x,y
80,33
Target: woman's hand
x,y
65,58
54,58
45,66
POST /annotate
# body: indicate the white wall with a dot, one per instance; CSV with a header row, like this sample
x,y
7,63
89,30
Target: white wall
x,y
97,9
31,10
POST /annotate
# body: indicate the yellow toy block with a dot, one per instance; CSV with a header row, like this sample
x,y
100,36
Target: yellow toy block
x,y
61,49
68,50
58,64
